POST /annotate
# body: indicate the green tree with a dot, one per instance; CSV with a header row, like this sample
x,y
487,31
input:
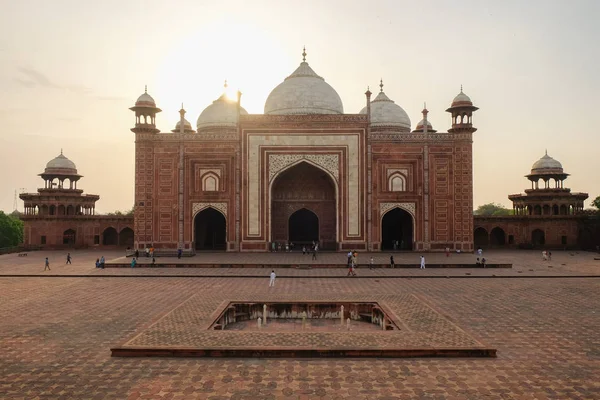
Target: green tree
x,y
11,230
492,209
121,213
596,202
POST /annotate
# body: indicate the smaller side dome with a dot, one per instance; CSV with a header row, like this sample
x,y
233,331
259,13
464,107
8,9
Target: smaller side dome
x,y
421,125
385,112
187,126
145,100
461,99
60,165
546,165
61,162
221,113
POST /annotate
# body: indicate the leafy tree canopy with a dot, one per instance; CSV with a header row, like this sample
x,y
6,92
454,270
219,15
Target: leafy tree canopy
x,y
11,230
492,209
128,213
596,202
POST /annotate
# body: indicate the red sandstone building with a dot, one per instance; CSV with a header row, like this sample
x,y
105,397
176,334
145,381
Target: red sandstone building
x,y
304,171
546,216
60,215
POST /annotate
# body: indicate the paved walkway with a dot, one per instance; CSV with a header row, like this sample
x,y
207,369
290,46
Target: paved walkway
x,y
525,263
56,335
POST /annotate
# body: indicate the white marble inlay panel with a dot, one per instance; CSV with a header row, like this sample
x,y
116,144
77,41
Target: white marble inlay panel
x,y
197,207
329,162
351,141
385,207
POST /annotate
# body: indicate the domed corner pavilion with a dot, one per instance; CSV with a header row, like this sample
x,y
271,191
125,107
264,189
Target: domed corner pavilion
x,y
548,215
304,171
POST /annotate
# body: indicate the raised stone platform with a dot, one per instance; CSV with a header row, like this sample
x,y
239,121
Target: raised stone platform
x,y
196,329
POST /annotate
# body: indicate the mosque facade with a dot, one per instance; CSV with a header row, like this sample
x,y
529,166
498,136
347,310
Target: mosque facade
x,y
304,171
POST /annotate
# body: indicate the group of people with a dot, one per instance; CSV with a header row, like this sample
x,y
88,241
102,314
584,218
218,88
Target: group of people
x,y
546,255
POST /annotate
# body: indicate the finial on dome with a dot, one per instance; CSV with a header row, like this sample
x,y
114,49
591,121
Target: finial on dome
x,y
62,153
304,54
381,85
145,88
461,88
225,84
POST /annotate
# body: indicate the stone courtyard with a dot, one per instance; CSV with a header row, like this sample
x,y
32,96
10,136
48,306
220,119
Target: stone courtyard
x,y
57,329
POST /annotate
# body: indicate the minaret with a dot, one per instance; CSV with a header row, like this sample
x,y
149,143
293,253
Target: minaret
x,y
181,120
462,113
145,114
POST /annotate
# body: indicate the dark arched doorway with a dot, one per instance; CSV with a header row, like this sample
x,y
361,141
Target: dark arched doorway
x,y
538,238
210,230
303,227
397,227
497,237
69,237
304,187
110,237
481,237
126,237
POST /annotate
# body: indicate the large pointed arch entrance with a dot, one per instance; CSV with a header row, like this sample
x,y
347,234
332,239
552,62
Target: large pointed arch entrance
x,y
303,207
210,230
397,230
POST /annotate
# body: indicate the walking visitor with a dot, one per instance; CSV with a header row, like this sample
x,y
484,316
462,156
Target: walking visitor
x,y
422,262
47,264
272,279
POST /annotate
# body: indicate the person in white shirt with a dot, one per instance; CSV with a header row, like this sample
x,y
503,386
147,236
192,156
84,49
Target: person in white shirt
x,y
272,280
422,262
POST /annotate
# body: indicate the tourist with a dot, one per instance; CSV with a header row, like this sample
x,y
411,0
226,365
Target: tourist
x,y
68,259
102,262
544,255
392,264
153,260
422,262
395,245
483,262
147,251
133,262
179,252
47,264
479,251
478,263
97,263
152,251
287,247
137,253
303,250
272,280
447,251
314,253
371,263
549,256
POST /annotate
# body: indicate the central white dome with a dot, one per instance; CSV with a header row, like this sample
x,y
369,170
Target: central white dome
x,y
304,92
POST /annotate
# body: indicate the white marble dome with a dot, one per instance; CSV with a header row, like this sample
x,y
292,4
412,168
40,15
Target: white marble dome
x,y
186,125
462,99
384,112
145,100
221,113
421,124
546,164
304,92
61,163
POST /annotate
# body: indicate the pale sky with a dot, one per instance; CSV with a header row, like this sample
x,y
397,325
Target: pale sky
x,y
69,70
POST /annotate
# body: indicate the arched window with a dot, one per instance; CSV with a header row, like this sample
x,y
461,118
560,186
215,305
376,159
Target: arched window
x,y
397,183
210,182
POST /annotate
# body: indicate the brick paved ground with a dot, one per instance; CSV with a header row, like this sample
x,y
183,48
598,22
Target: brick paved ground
x,y
55,336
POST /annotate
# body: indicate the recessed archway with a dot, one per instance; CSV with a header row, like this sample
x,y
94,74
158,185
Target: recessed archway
x,y
481,237
69,237
497,237
126,237
538,238
210,230
110,237
304,186
303,227
397,230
